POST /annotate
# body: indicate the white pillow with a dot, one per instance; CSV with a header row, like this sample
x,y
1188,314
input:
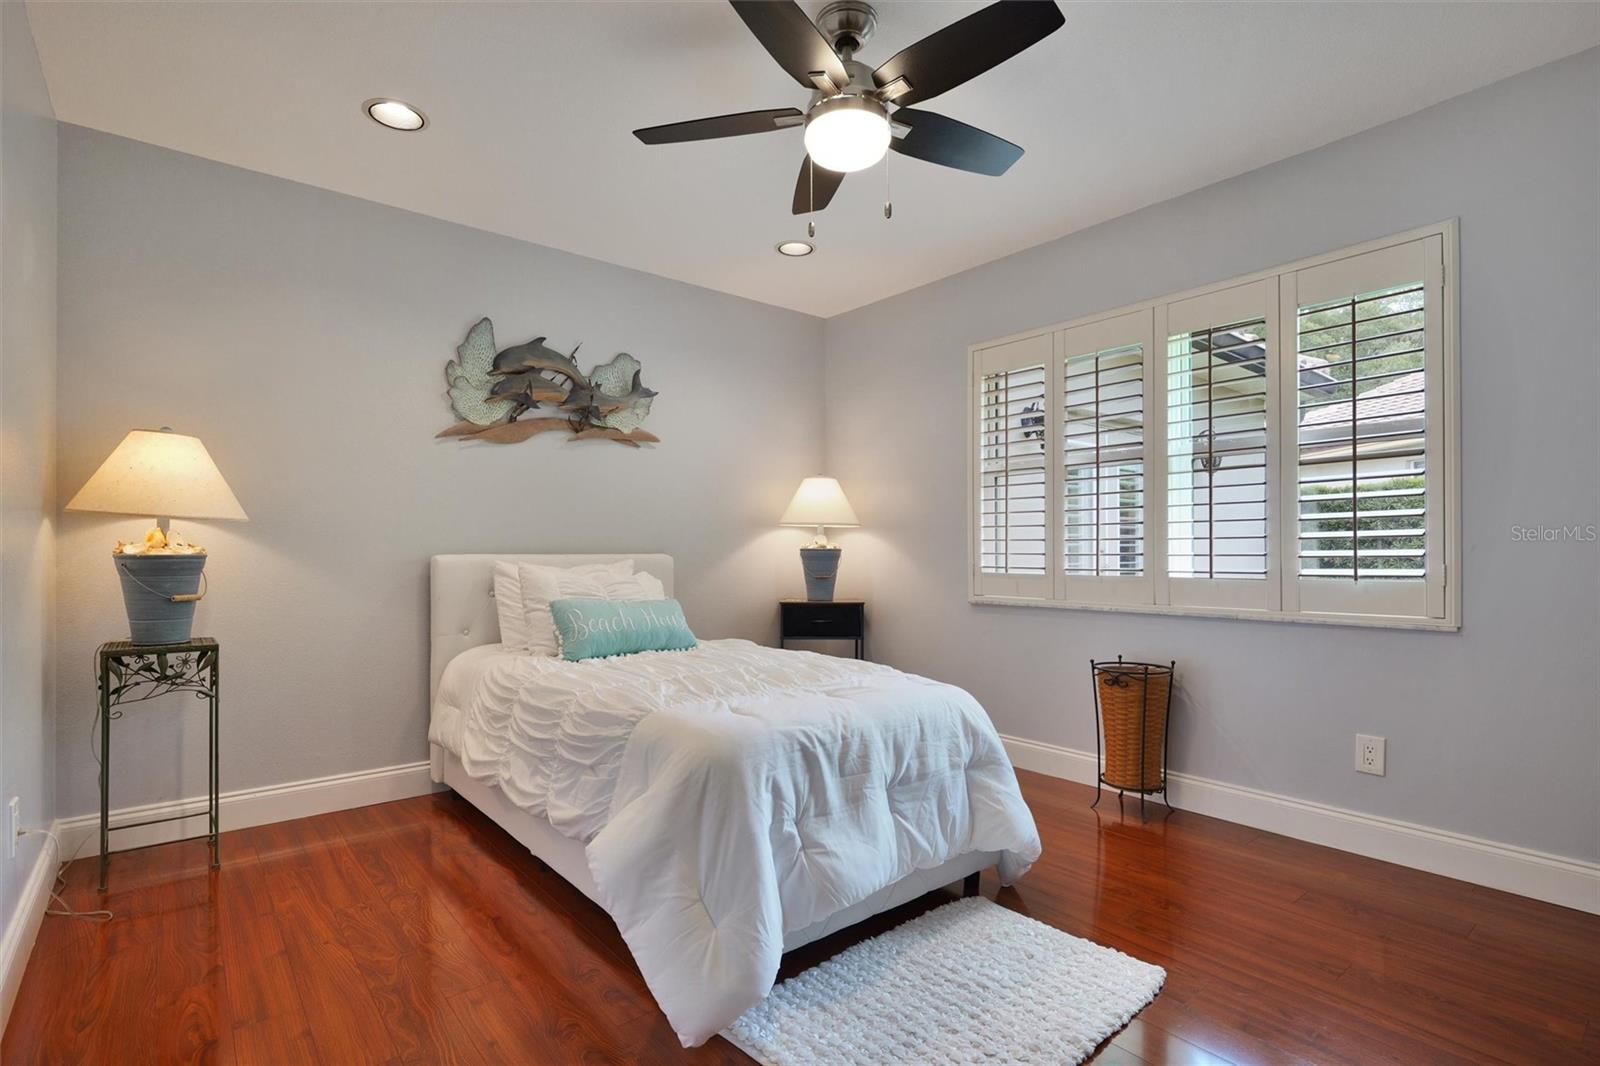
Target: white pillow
x,y
515,634
543,584
508,605
652,586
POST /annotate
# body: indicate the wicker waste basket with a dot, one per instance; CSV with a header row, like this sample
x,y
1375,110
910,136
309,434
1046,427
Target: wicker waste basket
x,y
1132,701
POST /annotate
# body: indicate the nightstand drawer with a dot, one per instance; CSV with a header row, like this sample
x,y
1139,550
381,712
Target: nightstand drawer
x,y
823,620
842,618
827,621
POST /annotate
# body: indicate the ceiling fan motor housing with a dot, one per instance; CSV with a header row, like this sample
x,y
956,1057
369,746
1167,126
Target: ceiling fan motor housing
x,y
848,24
861,84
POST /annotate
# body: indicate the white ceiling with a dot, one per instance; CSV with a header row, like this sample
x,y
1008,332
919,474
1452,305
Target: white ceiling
x,y
531,107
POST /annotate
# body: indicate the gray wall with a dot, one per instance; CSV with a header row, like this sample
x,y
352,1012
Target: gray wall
x,y
1494,731
27,443
302,336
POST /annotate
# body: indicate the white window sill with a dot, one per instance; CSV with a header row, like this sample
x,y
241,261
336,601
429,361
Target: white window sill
x,y
1379,621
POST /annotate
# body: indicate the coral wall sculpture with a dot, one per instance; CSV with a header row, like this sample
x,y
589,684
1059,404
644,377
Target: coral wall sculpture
x,y
529,389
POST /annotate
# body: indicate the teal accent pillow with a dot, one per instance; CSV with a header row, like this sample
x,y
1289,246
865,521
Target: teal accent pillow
x,y
596,629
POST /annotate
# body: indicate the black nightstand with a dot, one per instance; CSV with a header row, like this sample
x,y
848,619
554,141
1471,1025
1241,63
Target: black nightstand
x,y
824,620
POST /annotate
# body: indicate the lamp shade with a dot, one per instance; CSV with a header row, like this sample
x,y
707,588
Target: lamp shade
x,y
819,502
162,474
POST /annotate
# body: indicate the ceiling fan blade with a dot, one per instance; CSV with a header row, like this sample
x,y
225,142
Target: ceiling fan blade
x,y
966,48
812,191
792,39
705,129
949,143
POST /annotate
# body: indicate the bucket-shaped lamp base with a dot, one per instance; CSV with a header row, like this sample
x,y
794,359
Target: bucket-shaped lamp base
x,y
148,584
822,568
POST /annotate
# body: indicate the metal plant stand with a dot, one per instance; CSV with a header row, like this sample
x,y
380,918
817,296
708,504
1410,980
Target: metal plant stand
x,y
126,672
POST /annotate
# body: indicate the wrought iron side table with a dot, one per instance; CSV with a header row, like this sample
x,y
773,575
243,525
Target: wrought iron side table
x,y
126,672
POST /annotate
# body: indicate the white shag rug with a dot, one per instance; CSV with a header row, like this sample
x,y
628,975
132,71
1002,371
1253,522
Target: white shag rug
x,y
970,982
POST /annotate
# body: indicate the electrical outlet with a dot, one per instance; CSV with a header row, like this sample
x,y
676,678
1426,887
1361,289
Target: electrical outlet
x,y
13,825
1369,754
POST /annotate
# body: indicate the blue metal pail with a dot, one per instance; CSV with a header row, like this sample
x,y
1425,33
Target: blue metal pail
x,y
822,567
148,584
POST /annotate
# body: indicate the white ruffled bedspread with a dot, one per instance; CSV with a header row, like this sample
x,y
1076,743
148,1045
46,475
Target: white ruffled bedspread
x,y
733,793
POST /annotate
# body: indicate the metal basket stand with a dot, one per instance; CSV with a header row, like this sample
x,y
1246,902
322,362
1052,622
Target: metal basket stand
x,y
1141,671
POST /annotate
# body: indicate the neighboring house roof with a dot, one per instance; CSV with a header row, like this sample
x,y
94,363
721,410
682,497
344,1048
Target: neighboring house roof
x,y
1393,399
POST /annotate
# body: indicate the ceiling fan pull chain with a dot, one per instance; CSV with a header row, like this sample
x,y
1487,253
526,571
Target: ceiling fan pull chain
x,y
888,190
811,191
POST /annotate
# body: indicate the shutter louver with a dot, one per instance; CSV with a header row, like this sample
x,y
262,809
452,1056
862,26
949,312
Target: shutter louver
x,y
1362,437
1217,395
1013,529
1363,468
1103,456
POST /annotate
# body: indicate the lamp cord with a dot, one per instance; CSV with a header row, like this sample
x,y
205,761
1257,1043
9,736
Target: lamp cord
x,y
63,909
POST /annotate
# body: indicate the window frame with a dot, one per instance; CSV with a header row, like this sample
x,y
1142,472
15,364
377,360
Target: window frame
x,y
1280,600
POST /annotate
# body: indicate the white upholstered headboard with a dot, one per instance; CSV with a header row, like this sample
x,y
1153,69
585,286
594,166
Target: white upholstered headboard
x,y
461,611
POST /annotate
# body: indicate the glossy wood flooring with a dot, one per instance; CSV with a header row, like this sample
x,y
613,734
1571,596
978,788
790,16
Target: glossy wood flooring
x,y
417,932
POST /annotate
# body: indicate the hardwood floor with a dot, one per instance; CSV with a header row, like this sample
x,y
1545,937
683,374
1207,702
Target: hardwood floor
x,y
417,931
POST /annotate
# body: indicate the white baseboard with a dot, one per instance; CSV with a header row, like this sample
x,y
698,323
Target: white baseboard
x,y
23,927
1536,874
247,807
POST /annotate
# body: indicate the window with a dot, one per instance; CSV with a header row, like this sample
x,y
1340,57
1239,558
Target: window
x,y
1369,439
1103,453
1219,386
1103,439
1014,532
1280,446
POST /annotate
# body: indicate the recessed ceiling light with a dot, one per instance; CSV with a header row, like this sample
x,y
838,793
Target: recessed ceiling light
x,y
795,249
395,114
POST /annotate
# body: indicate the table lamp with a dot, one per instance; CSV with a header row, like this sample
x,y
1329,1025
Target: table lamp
x,y
819,502
167,475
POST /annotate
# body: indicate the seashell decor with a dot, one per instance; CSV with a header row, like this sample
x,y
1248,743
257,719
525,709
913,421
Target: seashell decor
x,y
509,396
158,542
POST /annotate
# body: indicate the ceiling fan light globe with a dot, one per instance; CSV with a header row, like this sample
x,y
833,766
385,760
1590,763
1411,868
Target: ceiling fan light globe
x,y
847,133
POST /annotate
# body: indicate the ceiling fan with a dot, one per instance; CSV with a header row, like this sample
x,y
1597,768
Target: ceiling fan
x,y
855,111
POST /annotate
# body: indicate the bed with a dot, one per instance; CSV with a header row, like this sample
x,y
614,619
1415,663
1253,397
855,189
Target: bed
x,y
702,906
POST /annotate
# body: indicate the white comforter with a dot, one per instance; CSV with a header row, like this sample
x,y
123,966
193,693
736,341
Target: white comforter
x,y
733,793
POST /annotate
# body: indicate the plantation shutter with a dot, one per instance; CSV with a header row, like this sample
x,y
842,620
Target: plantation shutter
x,y
1219,390
1105,461
1364,464
1015,493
